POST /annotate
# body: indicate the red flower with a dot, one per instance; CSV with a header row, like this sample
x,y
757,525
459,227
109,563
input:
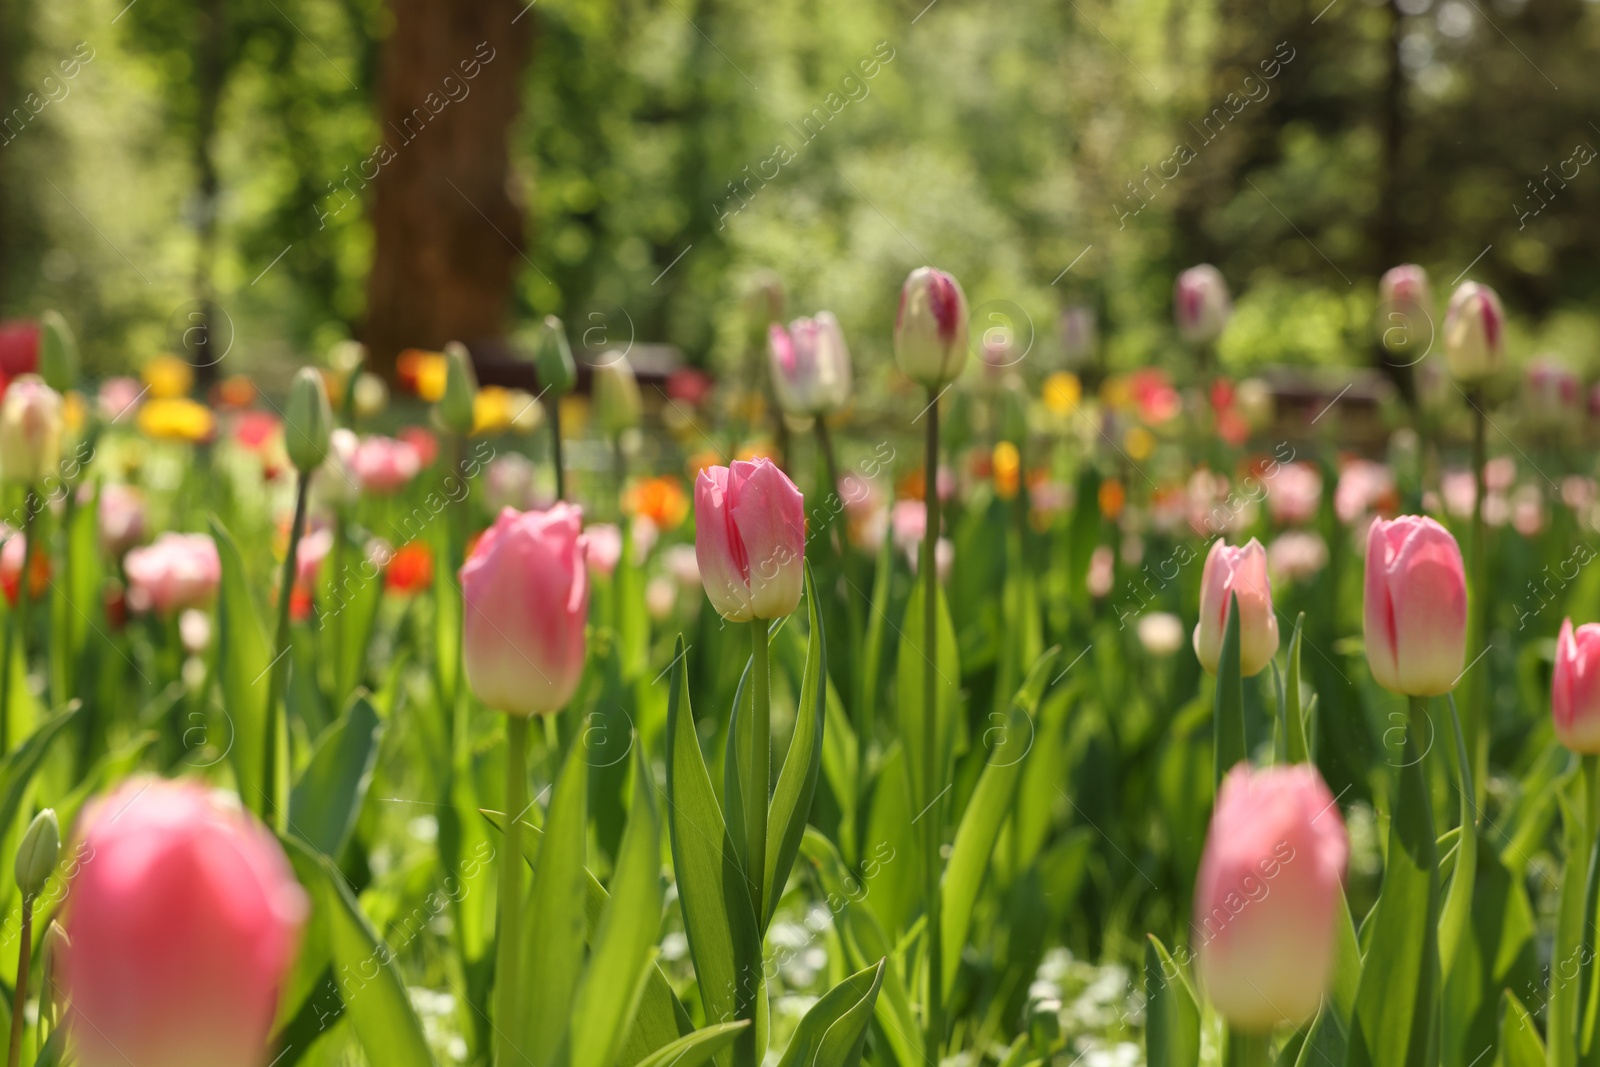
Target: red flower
x,y
410,570
424,441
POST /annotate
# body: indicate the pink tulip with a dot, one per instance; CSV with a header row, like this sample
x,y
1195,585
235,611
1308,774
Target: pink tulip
x,y
178,571
385,465
602,547
1241,572
750,540
118,398
1294,492
1201,304
527,600
810,365
122,518
930,328
313,549
1364,487
1266,901
1575,687
183,919
1416,606
1405,309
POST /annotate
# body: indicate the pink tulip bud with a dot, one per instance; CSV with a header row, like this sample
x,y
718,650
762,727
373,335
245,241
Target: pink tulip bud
x,y
1474,333
602,547
1416,606
810,365
750,540
1575,687
1266,901
178,571
526,593
183,919
121,518
384,465
1240,572
1201,304
930,328
1405,309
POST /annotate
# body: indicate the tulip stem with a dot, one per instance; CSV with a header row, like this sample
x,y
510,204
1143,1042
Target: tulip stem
x,y
17,626
1478,627
508,933
759,763
19,999
933,827
274,778
555,449
1247,1050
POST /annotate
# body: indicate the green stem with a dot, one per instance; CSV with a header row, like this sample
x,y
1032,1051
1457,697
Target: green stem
x,y
759,762
17,627
508,932
274,778
932,828
1477,718
1247,1050
555,449
19,999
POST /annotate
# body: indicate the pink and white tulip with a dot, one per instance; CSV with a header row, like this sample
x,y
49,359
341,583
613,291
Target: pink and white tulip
x,y
930,328
1575,688
526,593
177,571
1415,617
121,518
1240,572
1474,333
1266,903
750,540
384,465
810,365
183,927
1200,304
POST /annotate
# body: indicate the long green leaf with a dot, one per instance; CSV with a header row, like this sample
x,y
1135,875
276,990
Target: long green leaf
x,y
1395,1022
797,781
326,800
1231,746
986,812
1172,1014
1519,1039
724,938
22,762
243,658
833,1031
369,982
1455,918
915,650
554,926
601,1014
872,648
1294,718
692,1050
1562,1017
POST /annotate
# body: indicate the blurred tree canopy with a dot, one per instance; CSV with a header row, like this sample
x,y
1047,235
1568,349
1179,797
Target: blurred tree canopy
x,y
665,151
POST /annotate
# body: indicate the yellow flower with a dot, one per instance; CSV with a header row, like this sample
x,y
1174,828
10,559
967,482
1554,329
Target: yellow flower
x,y
1062,391
177,419
74,411
1138,442
432,372
168,377
1007,464
491,410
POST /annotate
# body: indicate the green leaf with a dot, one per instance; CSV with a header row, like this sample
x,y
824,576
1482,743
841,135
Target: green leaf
x,y
1455,918
243,658
554,926
1172,1014
22,762
872,648
1519,1038
350,609
601,1014
913,662
1008,743
797,781
692,1050
1231,747
724,939
326,800
1562,1014
447,609
834,1030
377,1003
1294,719
1396,1022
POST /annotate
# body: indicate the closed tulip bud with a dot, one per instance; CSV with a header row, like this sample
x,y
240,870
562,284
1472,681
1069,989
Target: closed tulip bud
x,y
930,328
308,421
53,957
557,373
36,856
1266,902
30,430
1201,305
183,927
58,352
616,394
1405,311
1236,572
1474,333
810,365
455,408
750,540
526,593
1575,688
1415,616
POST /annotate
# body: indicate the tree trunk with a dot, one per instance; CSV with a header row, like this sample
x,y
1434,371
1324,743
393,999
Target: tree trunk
x,y
448,228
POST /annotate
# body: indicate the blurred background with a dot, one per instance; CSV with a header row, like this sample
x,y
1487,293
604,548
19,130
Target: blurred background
x,y
297,172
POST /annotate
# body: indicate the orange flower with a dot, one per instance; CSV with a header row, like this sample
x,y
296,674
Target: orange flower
x,y
422,373
410,570
661,500
1112,498
11,570
699,461
1007,465
235,391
